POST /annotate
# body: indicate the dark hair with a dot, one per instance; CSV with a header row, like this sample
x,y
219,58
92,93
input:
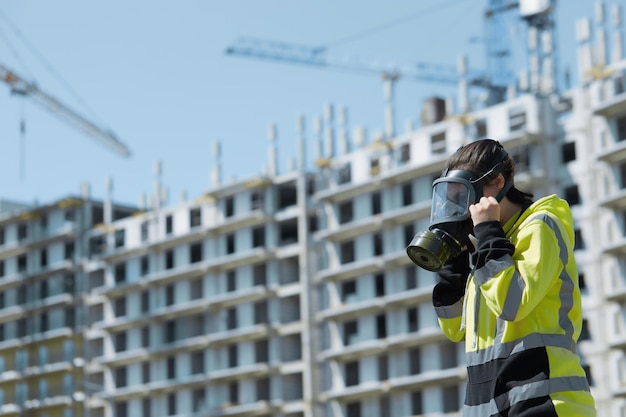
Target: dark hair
x,y
482,155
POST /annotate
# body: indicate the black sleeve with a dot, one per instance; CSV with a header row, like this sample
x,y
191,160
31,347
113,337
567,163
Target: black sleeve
x,y
452,279
492,243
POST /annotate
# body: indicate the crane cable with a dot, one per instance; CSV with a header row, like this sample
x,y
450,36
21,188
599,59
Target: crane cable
x,y
47,65
22,141
14,52
397,21
391,23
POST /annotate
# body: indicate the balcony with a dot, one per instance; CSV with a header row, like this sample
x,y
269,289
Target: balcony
x,y
617,341
49,368
117,254
183,345
337,193
259,408
289,250
11,344
235,187
521,138
48,302
239,372
530,179
351,269
425,336
286,290
113,255
291,368
403,299
162,313
240,258
352,393
410,298
373,347
615,201
351,230
55,268
396,259
248,333
57,333
179,273
287,407
619,392
11,313
612,106
180,309
230,299
160,387
616,248
366,348
130,392
284,329
407,214
409,172
125,357
53,401
66,231
614,154
185,382
10,410
616,294
95,403
10,281
12,249
10,376
287,213
353,310
15,248
119,289
241,221
430,378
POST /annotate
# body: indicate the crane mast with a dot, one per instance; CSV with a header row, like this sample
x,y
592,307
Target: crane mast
x,y
104,136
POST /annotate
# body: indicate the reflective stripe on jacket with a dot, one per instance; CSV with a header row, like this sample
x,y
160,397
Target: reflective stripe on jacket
x,y
521,317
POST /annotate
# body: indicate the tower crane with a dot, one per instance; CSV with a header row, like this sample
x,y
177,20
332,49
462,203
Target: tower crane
x,y
495,79
390,74
104,136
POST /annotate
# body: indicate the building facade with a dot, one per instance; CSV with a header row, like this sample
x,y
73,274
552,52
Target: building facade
x,y
291,295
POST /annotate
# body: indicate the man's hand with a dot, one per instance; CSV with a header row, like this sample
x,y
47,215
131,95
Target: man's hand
x,y
487,209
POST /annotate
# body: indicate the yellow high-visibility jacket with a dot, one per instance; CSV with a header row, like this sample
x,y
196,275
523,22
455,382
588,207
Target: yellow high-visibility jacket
x,y
520,315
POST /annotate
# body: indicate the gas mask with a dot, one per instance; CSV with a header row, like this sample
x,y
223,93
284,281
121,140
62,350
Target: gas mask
x,y
450,222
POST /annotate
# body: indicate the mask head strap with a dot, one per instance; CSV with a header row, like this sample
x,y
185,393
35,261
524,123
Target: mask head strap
x,y
491,174
497,169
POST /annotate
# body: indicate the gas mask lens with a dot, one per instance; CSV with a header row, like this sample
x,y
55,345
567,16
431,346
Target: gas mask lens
x,y
451,200
450,222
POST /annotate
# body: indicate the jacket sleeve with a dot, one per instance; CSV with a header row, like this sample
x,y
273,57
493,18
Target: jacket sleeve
x,y
448,296
514,279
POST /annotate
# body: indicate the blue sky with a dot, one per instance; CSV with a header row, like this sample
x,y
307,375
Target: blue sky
x,y
155,73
